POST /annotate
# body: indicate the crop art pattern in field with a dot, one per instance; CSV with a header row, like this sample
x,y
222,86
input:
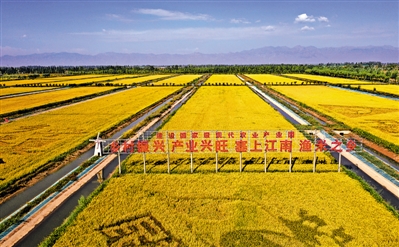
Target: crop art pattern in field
x,y
29,143
231,209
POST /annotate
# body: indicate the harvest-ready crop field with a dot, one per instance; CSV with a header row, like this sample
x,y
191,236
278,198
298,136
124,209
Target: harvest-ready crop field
x,y
332,80
231,109
178,80
273,79
140,79
214,204
29,143
374,114
226,79
18,90
34,100
50,79
66,80
393,89
229,208
234,209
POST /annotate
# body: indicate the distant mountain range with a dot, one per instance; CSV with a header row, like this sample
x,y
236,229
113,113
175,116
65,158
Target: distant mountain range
x,y
264,55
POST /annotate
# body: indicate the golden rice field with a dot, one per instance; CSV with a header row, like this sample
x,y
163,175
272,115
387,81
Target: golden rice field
x,y
29,101
30,142
269,79
332,80
17,90
178,80
393,89
65,81
233,209
226,108
140,79
226,79
377,115
231,109
105,79
50,79
73,77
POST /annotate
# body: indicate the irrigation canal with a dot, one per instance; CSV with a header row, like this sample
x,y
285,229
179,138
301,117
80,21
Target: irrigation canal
x,y
29,193
56,218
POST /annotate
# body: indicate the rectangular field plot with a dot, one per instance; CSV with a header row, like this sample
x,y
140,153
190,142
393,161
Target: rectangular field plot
x,y
102,80
393,89
227,108
73,77
19,90
29,143
51,80
374,114
178,80
332,80
35,100
235,110
141,79
228,80
65,81
273,79
233,209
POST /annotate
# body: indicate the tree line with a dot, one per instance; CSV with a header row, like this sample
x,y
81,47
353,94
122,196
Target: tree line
x,y
373,71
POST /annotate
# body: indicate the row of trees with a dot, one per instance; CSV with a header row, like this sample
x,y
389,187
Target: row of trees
x,y
374,71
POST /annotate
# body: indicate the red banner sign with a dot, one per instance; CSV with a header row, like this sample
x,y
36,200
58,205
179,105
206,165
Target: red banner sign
x,y
277,141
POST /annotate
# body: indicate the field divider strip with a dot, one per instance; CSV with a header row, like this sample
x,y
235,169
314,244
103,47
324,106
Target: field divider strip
x,y
68,105
29,93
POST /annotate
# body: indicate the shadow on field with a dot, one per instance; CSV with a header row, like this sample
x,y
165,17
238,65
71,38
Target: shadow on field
x,y
304,231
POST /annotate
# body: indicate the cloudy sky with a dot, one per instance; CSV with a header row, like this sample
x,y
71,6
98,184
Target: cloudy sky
x,y
180,27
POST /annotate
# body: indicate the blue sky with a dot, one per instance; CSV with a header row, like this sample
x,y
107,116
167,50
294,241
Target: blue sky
x,y
180,27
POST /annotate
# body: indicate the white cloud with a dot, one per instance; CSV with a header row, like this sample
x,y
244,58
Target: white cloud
x,y
116,17
257,21
24,36
322,19
268,28
173,15
306,28
200,33
304,18
240,20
